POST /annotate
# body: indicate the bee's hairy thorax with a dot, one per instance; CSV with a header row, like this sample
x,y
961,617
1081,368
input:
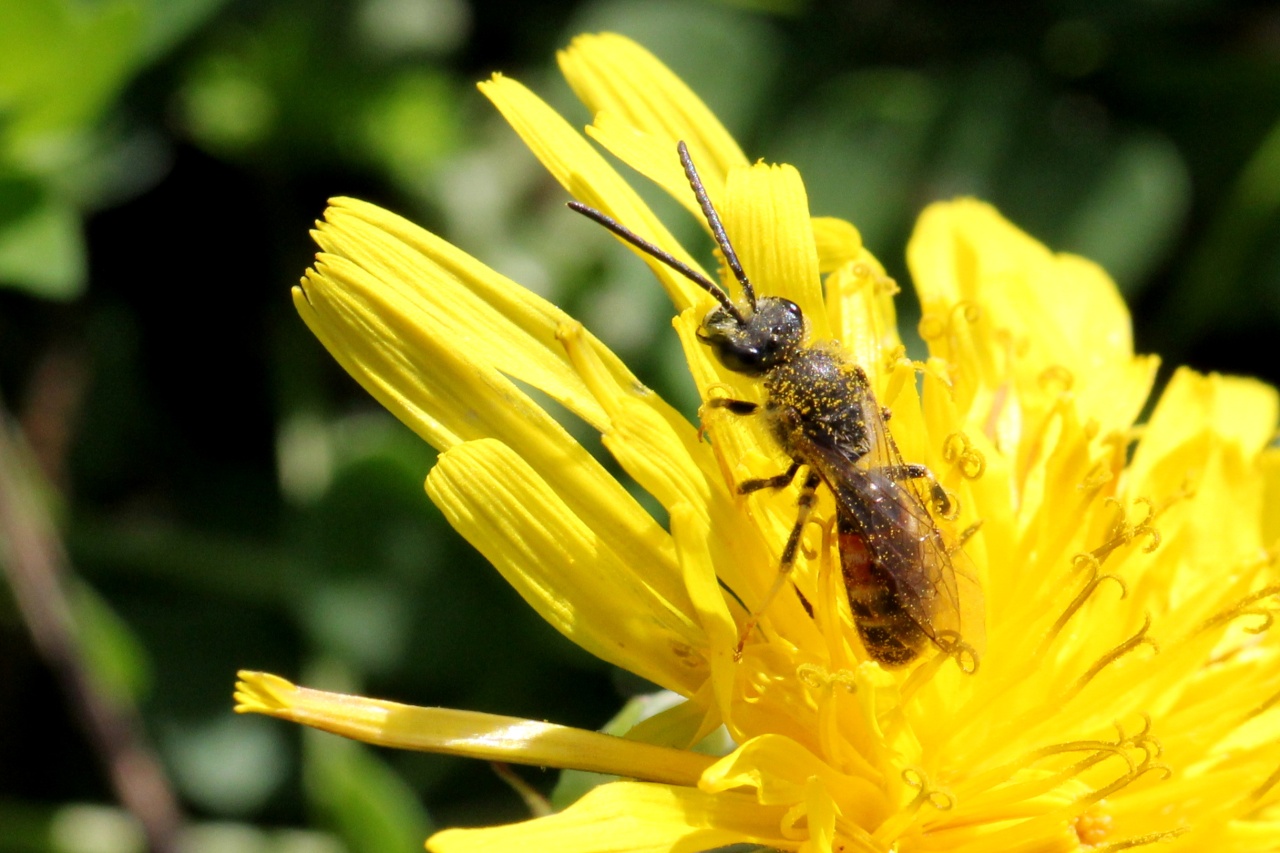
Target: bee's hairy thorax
x,y
816,398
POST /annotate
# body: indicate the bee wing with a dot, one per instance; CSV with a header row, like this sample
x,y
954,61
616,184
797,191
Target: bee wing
x,y
938,587
904,543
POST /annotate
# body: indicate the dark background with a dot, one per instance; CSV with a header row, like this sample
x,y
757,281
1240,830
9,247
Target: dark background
x,y
229,499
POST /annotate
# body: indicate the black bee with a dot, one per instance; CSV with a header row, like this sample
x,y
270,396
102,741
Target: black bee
x,y
897,566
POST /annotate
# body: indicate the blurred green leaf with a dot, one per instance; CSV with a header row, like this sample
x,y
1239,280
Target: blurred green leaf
x,y
169,21
112,653
402,27
727,56
84,828
26,827
412,125
362,620
226,763
1217,277
20,197
573,784
1134,210
42,251
227,106
367,803
861,142
61,63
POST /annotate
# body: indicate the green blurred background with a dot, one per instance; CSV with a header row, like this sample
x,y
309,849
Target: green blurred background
x,y
228,498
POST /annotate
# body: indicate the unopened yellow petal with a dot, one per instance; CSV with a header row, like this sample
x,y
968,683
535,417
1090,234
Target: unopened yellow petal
x,y
666,456
779,770
583,575
629,817
437,390
467,733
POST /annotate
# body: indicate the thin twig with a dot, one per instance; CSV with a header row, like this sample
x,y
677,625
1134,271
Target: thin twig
x,y
38,568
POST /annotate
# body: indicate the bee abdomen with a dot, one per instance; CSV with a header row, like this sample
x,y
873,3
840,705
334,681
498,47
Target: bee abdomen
x,y
889,632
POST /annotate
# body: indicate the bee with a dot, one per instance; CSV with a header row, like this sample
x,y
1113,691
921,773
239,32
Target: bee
x,y
898,568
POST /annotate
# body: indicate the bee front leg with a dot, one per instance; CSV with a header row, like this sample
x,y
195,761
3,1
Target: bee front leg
x,y
737,407
804,506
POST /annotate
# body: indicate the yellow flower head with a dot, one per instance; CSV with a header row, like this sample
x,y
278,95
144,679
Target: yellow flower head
x,y
1096,670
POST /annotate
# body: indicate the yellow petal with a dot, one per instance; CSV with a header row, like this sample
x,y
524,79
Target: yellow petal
x,y
466,733
965,250
665,455
766,215
582,171
837,242
780,769
1031,314
414,280
654,443
436,389
609,72
1269,463
1239,410
655,157
629,817
589,577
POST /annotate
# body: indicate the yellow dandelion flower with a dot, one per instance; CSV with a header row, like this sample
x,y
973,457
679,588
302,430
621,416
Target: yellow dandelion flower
x,y
1128,690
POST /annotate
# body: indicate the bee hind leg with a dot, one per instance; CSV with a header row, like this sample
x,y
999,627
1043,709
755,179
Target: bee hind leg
x,y
942,501
804,506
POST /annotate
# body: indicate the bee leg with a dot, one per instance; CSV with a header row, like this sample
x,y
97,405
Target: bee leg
x,y
746,487
738,407
804,505
941,500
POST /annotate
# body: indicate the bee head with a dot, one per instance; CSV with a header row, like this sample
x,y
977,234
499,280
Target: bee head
x,y
751,336
754,342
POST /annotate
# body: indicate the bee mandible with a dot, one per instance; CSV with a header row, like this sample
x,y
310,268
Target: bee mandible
x,y
898,567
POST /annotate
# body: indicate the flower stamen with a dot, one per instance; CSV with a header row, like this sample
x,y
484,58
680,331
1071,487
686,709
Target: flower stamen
x,y
1262,707
1262,790
939,798
965,536
1138,639
1093,583
1057,374
818,677
1243,608
1140,840
1123,533
967,459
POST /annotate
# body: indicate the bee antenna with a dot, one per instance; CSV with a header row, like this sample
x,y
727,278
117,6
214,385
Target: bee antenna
x,y
717,227
665,257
